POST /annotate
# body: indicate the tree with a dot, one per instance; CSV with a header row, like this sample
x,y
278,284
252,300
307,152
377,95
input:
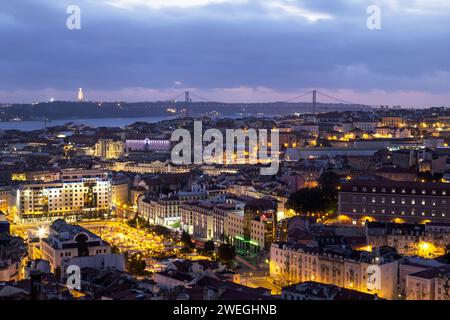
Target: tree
x,y
160,230
226,253
307,200
132,223
429,177
135,264
322,142
329,182
209,246
185,250
186,239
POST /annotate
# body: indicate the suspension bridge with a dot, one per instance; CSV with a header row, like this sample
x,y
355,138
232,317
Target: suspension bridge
x,y
313,95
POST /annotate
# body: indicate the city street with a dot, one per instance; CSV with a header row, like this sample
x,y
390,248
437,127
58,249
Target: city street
x,y
257,278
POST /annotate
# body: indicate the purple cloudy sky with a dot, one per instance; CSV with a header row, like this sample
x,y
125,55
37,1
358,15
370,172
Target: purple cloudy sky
x,y
226,50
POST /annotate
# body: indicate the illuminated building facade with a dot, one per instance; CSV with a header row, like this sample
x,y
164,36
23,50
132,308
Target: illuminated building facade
x,y
83,197
145,143
392,121
160,211
120,191
197,218
429,284
427,241
109,149
67,241
5,192
356,270
249,233
387,200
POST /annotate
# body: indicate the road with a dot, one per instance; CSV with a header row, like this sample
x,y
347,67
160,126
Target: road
x,y
258,278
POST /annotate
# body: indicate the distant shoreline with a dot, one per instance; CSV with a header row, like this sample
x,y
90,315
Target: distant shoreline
x,y
32,125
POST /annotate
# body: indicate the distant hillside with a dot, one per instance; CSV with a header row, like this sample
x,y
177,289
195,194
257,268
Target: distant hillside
x,y
79,110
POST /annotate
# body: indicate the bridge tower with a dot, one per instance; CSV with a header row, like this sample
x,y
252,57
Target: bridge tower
x,y
314,101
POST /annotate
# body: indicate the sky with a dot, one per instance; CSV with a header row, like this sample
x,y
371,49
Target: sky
x,y
226,50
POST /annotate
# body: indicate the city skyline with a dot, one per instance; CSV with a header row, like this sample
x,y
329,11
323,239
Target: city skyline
x,y
227,50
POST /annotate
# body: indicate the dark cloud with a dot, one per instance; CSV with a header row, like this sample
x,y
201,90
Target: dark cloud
x,y
222,46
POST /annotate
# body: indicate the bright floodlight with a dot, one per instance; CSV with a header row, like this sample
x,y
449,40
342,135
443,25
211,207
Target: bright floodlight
x,y
42,232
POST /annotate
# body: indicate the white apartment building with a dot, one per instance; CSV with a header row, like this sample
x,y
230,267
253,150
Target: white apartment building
x,y
357,270
160,211
197,218
35,201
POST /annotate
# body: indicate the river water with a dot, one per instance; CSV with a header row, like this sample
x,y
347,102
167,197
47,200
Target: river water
x,y
103,122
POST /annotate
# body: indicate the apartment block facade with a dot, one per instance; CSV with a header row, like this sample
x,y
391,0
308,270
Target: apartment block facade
x,y
398,201
356,270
